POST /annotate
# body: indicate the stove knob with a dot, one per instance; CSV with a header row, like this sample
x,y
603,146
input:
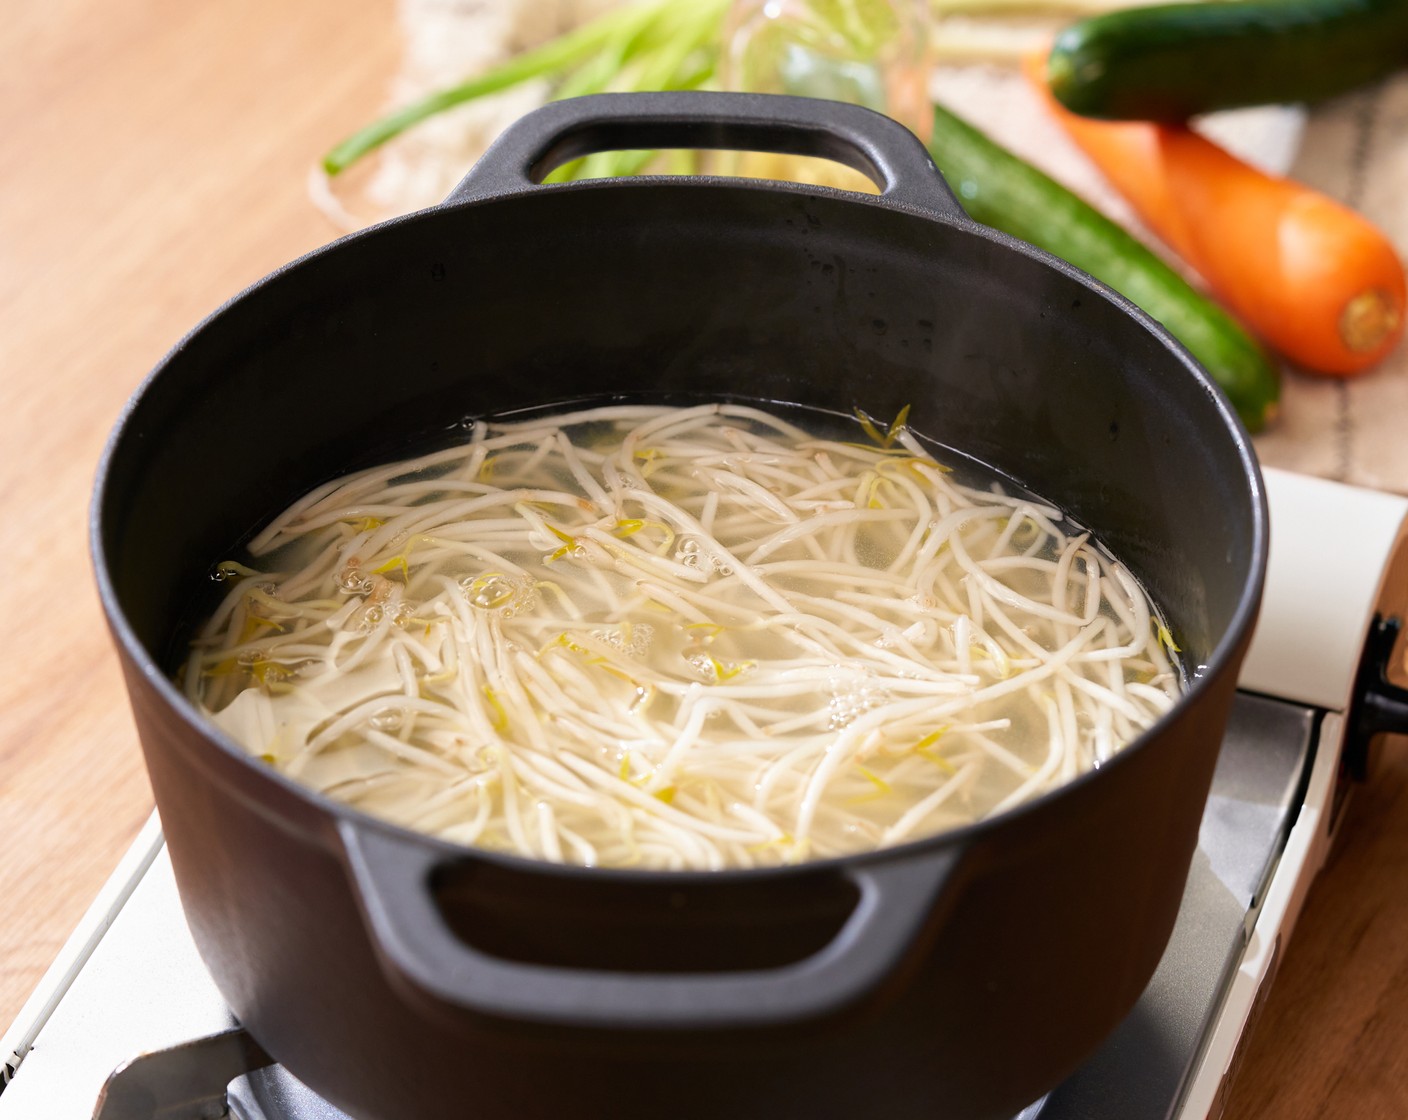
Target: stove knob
x,y
1376,707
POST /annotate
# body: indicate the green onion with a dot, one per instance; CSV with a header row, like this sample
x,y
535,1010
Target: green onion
x,y
653,45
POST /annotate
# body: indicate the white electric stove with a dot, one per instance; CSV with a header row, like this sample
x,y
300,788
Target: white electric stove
x,y
127,1024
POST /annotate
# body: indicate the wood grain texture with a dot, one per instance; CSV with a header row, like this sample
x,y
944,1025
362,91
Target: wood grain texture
x,y
154,156
1332,1039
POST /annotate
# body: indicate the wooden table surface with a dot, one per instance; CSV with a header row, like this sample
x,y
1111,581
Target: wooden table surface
x,y
152,162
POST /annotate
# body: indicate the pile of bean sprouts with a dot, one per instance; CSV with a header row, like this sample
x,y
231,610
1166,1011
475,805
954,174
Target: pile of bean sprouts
x,y
682,638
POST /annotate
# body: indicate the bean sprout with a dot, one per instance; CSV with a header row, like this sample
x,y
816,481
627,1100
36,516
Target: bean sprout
x,y
679,638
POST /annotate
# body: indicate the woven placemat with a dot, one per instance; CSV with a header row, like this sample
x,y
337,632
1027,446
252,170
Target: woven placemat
x,y
1354,148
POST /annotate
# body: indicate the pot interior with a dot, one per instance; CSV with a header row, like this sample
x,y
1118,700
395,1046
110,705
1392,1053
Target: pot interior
x,y
683,291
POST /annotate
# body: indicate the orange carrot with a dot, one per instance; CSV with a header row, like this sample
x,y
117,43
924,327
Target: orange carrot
x,y
1317,281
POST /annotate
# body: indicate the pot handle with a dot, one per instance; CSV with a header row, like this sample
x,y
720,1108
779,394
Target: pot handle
x,y
899,900
861,138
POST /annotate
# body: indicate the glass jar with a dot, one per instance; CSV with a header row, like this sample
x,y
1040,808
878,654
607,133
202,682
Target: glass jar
x,y
869,52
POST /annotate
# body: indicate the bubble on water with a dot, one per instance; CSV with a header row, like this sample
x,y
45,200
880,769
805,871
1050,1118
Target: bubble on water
x,y
642,635
256,607
229,569
633,638
692,554
353,581
488,592
852,694
687,552
388,719
500,593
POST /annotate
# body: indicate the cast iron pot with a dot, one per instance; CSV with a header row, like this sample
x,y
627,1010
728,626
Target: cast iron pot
x,y
960,976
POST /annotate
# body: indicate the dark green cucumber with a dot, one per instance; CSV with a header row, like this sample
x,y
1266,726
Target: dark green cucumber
x,y
1002,191
1174,61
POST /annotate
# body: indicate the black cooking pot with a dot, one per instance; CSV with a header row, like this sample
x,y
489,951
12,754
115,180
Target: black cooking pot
x,y
957,976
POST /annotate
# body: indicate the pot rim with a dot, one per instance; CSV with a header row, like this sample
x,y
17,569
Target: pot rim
x,y
1228,647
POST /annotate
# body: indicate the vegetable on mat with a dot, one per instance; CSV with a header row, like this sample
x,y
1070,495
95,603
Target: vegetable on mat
x,y
1173,61
652,45
1001,190
662,45
1318,282
646,41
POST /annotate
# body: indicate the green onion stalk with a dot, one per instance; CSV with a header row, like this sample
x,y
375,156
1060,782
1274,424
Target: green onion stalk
x,y
654,45
650,45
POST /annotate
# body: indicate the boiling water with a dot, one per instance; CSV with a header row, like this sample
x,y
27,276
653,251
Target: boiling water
x,y
679,638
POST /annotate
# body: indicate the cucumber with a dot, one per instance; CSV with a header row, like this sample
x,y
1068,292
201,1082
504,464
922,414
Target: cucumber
x,y
1173,61
1002,191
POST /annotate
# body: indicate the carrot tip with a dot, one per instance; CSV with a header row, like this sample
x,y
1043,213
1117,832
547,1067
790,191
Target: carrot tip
x,y
1368,319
